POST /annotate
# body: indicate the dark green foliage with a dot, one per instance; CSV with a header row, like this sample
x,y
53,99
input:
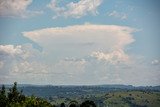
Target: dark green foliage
x,y
17,99
13,95
73,104
3,99
3,91
88,103
62,105
37,102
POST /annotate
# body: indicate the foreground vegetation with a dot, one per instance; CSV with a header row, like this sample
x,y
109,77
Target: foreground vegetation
x,y
13,97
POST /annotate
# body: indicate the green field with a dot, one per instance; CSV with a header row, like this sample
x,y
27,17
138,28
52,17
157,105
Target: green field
x,y
133,99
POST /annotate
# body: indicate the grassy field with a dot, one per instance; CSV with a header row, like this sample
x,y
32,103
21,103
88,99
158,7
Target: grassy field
x,y
133,99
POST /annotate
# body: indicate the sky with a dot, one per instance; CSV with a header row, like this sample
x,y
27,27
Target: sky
x,y
80,42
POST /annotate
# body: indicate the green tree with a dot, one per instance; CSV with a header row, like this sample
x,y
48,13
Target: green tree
x,y
13,93
73,104
3,98
62,105
3,91
17,99
88,103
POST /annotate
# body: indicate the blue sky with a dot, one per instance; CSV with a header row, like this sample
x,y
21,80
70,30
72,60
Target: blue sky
x,y
80,42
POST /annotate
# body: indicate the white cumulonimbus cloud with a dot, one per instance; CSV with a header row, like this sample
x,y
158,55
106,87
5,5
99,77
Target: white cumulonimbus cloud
x,y
75,10
79,44
82,40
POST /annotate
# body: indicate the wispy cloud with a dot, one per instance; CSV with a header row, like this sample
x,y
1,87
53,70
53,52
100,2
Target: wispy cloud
x,y
75,10
119,15
155,62
1,64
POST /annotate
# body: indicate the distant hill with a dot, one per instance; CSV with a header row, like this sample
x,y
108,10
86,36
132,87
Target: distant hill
x,y
45,91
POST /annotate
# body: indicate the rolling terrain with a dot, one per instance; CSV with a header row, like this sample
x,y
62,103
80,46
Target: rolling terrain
x,y
102,95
